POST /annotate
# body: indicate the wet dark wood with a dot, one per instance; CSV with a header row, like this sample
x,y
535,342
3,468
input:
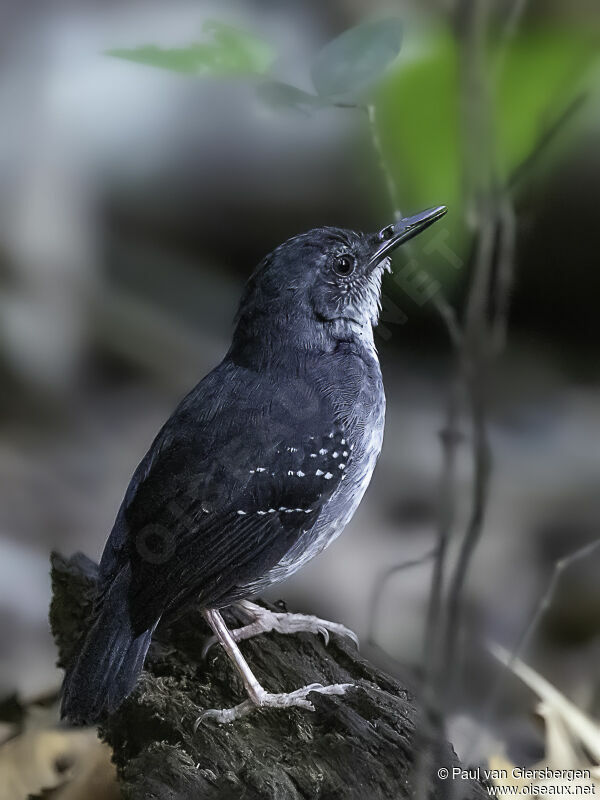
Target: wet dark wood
x,y
354,747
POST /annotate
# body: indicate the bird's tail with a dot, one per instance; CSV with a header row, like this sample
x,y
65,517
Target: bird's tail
x,y
109,662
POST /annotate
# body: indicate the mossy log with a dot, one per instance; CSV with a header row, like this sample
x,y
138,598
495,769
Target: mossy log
x,y
361,745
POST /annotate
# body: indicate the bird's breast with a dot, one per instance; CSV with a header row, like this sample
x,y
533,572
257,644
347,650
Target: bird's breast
x,y
361,428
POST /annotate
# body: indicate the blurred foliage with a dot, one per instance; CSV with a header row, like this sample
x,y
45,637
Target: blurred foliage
x,y
532,76
281,96
572,739
341,72
418,120
344,70
230,51
541,71
357,59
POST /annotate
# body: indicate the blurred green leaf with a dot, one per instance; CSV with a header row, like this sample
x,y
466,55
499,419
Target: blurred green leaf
x,y
418,125
541,72
357,59
230,51
278,95
418,117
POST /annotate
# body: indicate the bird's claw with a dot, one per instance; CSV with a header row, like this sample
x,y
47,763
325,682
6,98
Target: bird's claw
x,y
324,633
297,698
207,645
266,621
305,623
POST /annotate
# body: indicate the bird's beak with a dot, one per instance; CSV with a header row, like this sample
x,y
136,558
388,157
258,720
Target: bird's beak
x,y
394,235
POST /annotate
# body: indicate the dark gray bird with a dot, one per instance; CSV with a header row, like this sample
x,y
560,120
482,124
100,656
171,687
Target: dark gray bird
x,y
259,468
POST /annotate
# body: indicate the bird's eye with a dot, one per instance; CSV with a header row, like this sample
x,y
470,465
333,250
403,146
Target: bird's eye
x,y
343,264
386,233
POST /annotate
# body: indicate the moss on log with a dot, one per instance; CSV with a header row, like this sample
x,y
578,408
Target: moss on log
x,y
358,746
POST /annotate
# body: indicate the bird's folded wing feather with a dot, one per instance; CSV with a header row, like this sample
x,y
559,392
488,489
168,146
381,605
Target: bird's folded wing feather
x,y
228,487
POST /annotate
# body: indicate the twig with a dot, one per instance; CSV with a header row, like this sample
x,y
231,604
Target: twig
x,y
382,582
479,292
449,438
481,481
542,606
505,261
508,223
432,723
546,599
431,728
475,364
514,19
546,138
471,25
482,337
383,165
448,316
509,32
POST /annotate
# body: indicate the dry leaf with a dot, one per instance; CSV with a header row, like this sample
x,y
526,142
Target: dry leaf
x,y
38,760
570,734
580,725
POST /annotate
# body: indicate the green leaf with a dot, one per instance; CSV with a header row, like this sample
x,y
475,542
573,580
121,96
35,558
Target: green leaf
x,y
357,59
541,72
278,95
229,51
417,117
418,122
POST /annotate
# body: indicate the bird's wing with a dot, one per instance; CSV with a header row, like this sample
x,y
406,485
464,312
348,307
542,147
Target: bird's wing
x,y
230,484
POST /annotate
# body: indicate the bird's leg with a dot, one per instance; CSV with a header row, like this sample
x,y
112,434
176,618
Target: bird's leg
x,y
265,621
258,697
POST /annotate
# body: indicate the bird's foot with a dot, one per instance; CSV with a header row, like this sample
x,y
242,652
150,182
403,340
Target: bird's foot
x,y
266,699
266,621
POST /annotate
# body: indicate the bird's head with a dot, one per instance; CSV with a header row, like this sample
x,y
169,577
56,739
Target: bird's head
x,y
323,283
